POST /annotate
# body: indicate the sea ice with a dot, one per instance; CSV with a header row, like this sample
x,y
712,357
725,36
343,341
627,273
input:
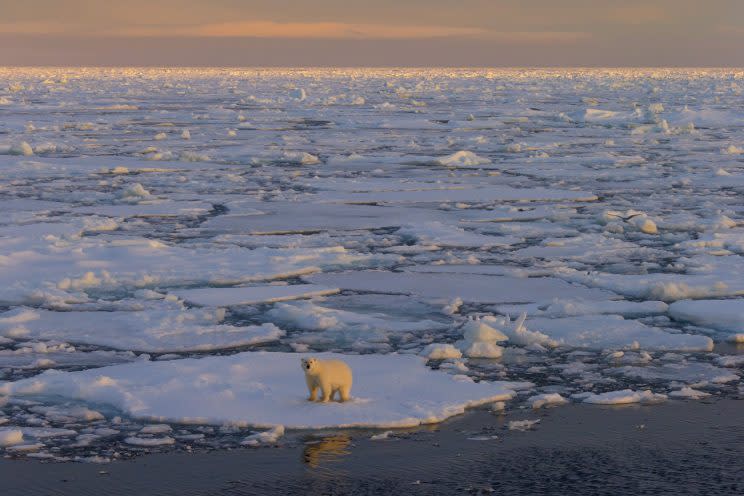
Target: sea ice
x,y
251,295
721,315
267,389
158,329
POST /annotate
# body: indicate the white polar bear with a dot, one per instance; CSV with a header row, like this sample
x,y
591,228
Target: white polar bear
x,y
329,376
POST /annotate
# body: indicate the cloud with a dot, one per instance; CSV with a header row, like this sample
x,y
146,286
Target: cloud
x,y
734,31
251,29
329,30
34,27
296,30
637,14
538,37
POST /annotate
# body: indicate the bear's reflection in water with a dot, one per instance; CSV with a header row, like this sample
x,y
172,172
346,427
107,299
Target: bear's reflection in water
x,y
326,450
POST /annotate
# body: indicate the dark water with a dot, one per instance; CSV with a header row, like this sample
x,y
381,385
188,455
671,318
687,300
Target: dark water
x,y
676,449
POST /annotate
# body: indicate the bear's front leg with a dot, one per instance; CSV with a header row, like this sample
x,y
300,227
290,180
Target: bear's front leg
x,y
327,391
312,387
313,393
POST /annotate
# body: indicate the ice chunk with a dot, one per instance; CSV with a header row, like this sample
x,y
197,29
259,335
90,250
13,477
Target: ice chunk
x,y
624,397
439,351
463,158
689,393
480,340
149,441
522,425
634,218
156,429
134,192
21,148
267,437
518,333
301,158
548,399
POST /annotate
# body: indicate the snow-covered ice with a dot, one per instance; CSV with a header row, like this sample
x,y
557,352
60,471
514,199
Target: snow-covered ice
x,y
251,295
267,389
722,315
159,329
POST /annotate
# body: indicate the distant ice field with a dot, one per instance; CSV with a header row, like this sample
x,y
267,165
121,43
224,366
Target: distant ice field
x,y
503,238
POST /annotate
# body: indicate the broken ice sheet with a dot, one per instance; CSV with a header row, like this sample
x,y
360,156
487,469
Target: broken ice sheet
x,y
476,193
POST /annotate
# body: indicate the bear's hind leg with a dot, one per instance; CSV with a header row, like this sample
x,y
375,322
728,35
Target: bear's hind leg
x,y
344,393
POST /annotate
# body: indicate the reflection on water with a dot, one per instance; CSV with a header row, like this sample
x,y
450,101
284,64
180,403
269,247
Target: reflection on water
x,y
326,450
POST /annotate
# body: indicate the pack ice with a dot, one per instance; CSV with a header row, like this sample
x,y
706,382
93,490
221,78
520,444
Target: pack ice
x,y
451,233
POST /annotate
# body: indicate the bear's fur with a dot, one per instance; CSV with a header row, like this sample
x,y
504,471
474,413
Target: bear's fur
x,y
329,376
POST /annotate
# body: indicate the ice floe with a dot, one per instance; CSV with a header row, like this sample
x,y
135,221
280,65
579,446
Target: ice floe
x,y
722,315
159,329
265,389
251,295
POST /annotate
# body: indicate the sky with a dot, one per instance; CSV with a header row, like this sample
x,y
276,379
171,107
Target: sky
x,y
450,33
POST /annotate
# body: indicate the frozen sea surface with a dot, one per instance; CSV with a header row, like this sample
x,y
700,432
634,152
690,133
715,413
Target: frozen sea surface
x,y
532,233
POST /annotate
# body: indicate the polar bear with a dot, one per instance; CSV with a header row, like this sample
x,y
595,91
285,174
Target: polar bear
x,y
329,376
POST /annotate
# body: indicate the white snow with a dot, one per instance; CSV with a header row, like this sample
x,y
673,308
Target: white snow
x,y
266,389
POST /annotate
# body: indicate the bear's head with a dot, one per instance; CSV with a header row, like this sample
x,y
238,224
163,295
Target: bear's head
x,y
309,364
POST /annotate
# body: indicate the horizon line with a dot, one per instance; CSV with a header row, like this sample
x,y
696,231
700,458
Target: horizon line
x,y
348,67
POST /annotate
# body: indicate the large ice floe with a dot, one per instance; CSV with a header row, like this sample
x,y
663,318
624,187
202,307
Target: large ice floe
x,y
447,232
264,389
165,329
